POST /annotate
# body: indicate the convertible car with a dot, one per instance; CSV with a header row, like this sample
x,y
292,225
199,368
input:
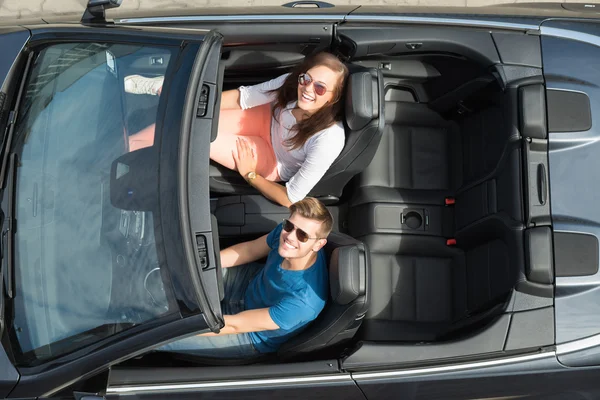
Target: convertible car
x,y
464,263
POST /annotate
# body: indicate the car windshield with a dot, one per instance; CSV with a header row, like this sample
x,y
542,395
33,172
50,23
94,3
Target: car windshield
x,y
88,252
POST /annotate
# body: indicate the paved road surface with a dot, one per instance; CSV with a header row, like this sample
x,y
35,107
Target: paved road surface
x,y
17,9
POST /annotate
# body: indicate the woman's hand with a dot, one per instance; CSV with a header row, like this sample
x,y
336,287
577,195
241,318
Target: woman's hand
x,y
245,158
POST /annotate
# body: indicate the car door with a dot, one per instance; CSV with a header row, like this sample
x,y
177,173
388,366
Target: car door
x,y
107,241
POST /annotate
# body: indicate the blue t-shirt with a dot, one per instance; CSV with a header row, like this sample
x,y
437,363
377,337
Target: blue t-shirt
x,y
294,298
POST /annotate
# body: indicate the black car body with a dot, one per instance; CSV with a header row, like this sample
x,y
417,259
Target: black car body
x,y
466,236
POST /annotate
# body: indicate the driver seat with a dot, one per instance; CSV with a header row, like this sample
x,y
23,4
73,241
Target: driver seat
x,y
347,303
338,322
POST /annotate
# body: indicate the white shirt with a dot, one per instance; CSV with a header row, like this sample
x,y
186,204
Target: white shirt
x,y
302,167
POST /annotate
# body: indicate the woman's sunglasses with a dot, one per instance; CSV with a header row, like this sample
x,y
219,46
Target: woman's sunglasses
x,y
305,80
302,236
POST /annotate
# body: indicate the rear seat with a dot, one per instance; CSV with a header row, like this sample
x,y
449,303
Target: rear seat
x,y
491,167
423,159
419,150
426,289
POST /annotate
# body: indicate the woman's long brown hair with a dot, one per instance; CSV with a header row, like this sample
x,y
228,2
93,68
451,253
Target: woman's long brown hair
x,y
324,117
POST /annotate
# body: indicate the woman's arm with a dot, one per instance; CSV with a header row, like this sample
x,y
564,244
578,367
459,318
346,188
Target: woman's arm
x,y
271,190
263,93
230,100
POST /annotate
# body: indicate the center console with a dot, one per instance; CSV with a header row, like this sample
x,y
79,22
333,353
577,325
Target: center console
x,y
401,218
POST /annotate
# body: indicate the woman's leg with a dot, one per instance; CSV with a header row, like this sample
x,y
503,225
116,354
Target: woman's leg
x,y
254,125
143,138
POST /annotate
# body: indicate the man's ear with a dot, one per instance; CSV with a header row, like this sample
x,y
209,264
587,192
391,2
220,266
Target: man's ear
x,y
319,244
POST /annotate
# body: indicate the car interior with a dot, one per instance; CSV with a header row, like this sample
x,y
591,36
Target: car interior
x,y
442,247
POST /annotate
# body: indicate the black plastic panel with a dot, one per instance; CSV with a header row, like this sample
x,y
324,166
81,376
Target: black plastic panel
x,y
568,111
376,355
247,215
519,48
247,59
148,376
408,69
539,255
576,254
531,329
474,44
537,182
532,111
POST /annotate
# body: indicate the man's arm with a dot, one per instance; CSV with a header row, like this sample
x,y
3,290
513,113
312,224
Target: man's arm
x,y
246,321
246,252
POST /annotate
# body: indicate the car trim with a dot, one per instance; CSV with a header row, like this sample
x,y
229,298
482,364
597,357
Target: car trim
x,y
225,384
568,34
329,17
229,18
453,368
439,21
578,345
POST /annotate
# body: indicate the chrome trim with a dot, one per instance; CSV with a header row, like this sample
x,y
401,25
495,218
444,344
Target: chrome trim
x,y
453,368
229,18
440,21
328,17
578,345
224,384
573,35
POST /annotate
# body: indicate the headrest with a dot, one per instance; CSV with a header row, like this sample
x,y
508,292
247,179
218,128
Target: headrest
x,y
362,99
347,268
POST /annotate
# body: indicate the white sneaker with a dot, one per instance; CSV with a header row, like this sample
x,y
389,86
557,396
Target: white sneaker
x,y
138,84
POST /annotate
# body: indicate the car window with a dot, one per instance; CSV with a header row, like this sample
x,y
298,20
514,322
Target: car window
x,y
87,263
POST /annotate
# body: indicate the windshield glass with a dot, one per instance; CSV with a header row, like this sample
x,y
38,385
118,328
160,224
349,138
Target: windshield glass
x,y
88,252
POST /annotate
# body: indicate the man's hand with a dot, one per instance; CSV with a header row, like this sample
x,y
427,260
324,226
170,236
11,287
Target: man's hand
x,y
245,157
246,321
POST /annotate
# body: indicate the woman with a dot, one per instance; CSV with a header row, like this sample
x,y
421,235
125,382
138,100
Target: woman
x,y
286,129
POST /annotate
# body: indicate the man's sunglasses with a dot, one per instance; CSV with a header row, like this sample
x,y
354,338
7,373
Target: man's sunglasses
x,y
302,236
305,80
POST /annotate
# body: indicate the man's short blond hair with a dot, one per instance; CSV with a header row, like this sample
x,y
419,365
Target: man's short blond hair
x,y
311,208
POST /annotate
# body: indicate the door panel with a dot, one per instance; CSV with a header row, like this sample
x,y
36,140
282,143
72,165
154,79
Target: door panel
x,y
302,380
99,269
536,376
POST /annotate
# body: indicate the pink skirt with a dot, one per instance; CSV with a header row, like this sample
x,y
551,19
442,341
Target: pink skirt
x,y
253,124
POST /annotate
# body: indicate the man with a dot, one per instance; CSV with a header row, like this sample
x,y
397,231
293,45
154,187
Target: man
x,y
267,304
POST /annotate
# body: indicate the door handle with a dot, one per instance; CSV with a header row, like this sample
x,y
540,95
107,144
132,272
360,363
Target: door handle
x,y
308,3
542,184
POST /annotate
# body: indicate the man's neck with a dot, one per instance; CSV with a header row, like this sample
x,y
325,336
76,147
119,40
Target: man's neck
x,y
299,264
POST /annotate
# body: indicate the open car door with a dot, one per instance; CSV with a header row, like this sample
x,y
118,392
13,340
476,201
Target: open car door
x,y
107,239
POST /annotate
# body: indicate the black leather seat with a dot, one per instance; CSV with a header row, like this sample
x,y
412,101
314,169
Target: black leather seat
x,y
428,290
364,123
348,299
422,159
424,290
